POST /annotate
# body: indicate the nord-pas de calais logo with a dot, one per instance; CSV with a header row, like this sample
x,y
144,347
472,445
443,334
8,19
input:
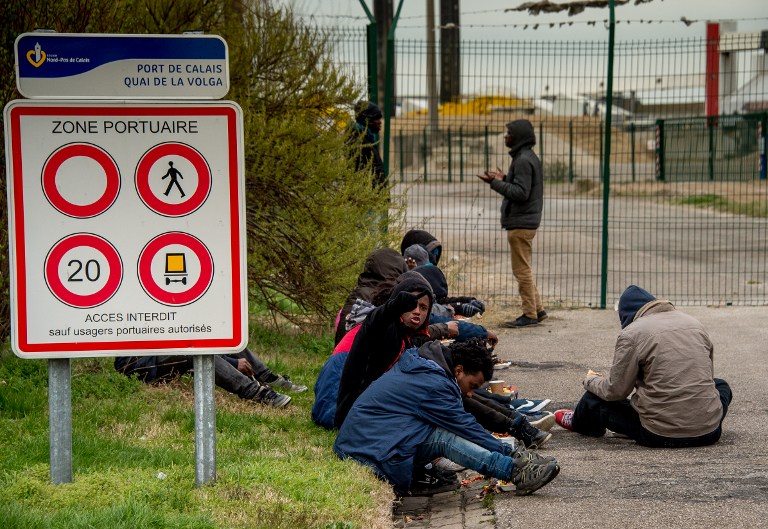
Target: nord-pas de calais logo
x,y
37,56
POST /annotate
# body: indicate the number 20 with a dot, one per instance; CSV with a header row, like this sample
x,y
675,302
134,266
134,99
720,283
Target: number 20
x,y
92,270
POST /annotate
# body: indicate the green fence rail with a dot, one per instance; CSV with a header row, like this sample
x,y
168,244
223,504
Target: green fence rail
x,y
687,211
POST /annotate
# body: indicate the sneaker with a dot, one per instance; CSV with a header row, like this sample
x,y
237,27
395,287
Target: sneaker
x,y
522,321
529,405
528,476
270,397
433,481
283,382
446,465
564,418
535,457
545,422
542,315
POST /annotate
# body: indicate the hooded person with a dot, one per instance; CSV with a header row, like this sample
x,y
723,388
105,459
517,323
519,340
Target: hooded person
x,y
522,189
427,240
413,414
381,264
385,333
363,136
661,389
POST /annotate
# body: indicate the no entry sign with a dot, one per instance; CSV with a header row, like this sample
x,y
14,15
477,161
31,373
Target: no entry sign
x,y
126,228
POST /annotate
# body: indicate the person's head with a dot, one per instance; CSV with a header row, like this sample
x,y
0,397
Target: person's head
x,y
368,115
632,300
519,134
416,255
472,364
426,239
416,319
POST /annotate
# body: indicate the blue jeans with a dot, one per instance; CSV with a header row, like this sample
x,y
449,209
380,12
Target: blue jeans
x,y
442,443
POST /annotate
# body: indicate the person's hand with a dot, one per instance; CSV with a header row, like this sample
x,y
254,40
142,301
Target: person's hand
x,y
489,176
245,367
405,301
410,262
591,373
479,304
492,339
453,328
468,309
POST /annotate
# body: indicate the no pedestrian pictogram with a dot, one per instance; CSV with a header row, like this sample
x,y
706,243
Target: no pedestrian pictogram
x,y
173,179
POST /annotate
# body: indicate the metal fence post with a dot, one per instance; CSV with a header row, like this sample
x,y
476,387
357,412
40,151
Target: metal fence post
x,y
424,153
632,147
461,155
450,165
607,171
762,137
205,419
485,150
660,172
570,151
541,146
711,151
60,420
402,156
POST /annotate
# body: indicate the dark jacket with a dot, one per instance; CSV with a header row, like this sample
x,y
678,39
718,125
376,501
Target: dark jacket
x,y
523,186
381,339
401,409
380,265
426,239
366,152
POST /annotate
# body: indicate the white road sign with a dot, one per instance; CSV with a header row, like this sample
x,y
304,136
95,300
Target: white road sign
x,y
126,228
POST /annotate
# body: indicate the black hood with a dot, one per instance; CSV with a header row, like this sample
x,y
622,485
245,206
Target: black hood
x,y
367,112
439,354
381,264
436,279
633,299
426,239
521,135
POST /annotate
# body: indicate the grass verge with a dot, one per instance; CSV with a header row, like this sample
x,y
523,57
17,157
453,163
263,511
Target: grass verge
x,y
134,453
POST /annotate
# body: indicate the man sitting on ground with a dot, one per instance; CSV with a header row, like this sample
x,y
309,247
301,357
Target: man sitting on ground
x,y
665,357
413,414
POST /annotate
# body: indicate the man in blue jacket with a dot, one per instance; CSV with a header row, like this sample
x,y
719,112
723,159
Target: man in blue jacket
x,y
413,414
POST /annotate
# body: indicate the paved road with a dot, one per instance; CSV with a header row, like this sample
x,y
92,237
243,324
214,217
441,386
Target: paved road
x,y
611,482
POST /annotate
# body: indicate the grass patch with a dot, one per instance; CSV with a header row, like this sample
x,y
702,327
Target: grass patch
x,y
720,203
134,453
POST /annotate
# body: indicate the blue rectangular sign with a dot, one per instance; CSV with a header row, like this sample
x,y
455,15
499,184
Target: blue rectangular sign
x,y
93,66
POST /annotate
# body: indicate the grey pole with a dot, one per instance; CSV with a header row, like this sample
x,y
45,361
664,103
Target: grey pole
x,y
205,420
60,420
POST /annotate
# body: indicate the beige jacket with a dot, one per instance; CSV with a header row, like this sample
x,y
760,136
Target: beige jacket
x,y
665,356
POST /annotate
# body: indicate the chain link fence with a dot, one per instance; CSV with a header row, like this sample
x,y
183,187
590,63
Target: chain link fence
x,y
683,211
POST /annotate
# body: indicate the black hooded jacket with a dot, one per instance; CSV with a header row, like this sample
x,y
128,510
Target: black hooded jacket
x,y
380,341
381,265
426,239
523,186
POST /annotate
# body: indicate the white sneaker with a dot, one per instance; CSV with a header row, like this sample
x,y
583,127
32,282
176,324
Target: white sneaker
x,y
544,423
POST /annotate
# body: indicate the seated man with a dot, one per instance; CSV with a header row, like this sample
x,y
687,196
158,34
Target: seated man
x,y
242,374
413,414
665,357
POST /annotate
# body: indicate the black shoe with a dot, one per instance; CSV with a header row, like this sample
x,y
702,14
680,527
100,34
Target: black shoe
x,y
541,315
522,321
269,397
530,436
426,482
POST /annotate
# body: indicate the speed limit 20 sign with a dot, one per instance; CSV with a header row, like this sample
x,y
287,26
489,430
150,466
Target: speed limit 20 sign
x,y
126,228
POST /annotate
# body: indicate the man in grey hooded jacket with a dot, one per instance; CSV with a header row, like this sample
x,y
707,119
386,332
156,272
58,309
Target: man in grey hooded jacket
x,y
523,191
663,358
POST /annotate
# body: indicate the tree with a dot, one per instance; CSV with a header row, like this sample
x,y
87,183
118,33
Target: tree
x,y
311,220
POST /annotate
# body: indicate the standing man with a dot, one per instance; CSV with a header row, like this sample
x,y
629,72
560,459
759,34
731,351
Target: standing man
x,y
363,135
523,191
663,359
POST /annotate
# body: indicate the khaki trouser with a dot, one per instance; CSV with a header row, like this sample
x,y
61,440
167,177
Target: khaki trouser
x,y
521,250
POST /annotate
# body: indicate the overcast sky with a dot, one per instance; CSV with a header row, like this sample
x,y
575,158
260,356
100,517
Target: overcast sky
x,y
487,19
